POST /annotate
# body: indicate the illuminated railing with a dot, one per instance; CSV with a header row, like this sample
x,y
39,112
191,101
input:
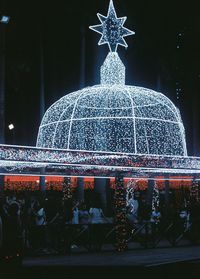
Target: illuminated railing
x,y
30,160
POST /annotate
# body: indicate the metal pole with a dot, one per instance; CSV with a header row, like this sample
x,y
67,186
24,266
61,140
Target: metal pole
x,y
42,92
2,92
82,60
2,83
151,184
166,191
100,189
80,189
42,97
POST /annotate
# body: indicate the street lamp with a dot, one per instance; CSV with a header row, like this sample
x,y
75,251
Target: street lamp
x,y
11,126
4,19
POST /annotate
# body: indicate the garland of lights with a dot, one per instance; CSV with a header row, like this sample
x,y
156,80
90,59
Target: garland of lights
x,y
120,214
29,160
130,192
67,190
36,155
155,198
195,190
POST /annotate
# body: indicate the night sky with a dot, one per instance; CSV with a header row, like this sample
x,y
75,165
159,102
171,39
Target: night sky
x,y
163,55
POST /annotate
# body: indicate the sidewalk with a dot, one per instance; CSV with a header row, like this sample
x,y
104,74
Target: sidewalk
x,y
171,262
131,258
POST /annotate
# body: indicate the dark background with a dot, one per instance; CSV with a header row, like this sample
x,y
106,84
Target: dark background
x,y
163,55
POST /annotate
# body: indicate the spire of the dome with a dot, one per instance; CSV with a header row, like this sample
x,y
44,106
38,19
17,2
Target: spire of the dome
x,y
112,70
112,29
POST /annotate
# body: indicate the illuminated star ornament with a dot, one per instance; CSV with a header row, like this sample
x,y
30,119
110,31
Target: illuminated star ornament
x,y
112,29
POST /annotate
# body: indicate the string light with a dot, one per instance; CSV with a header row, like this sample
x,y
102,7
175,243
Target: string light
x,y
108,127
195,190
66,189
28,159
155,198
114,117
126,119
112,70
112,29
120,214
130,193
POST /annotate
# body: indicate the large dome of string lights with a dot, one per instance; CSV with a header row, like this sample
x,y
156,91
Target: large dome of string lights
x,y
112,116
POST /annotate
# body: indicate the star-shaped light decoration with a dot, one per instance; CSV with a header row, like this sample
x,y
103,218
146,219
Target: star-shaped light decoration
x,y
112,29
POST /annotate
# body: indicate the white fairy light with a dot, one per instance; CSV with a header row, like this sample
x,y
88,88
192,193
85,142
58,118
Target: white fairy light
x,y
112,29
108,127
155,198
64,162
114,117
112,70
130,193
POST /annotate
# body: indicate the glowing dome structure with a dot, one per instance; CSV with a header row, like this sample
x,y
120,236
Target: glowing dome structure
x,y
112,116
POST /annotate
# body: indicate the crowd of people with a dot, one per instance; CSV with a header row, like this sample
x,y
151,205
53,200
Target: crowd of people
x,y
38,222
35,222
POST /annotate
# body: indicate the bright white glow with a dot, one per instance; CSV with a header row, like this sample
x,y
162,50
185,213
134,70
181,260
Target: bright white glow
x,y
127,129
114,117
22,159
94,170
117,118
112,70
11,126
112,29
25,160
